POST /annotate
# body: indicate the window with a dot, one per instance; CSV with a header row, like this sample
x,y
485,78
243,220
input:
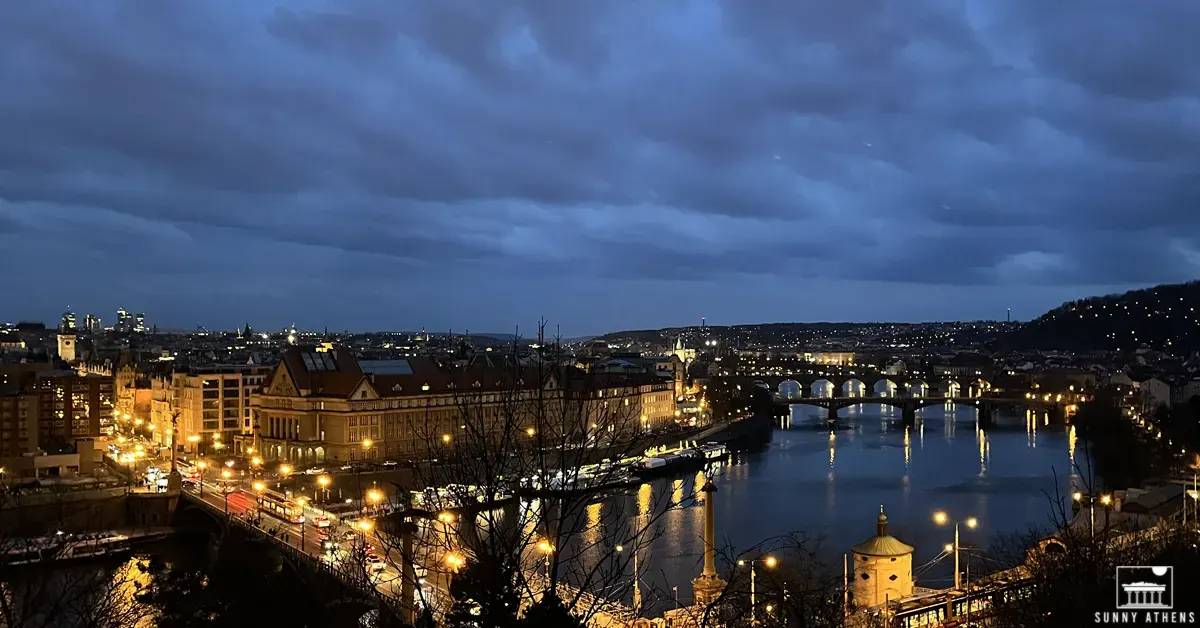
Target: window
x,y
893,577
362,395
864,576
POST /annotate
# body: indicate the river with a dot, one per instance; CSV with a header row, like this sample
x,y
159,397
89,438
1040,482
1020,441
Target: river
x,y
831,486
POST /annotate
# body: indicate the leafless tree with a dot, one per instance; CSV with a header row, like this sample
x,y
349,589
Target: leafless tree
x,y
37,590
503,483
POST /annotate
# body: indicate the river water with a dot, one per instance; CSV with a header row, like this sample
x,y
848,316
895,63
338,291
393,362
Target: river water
x,y
831,486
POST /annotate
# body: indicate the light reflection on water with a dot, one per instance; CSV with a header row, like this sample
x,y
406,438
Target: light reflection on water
x,y
832,484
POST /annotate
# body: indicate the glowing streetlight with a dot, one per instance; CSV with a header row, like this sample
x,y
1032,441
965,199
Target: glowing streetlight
x,y
256,461
446,438
260,487
770,562
448,517
367,443
530,432
456,561
941,518
285,469
324,481
226,474
546,548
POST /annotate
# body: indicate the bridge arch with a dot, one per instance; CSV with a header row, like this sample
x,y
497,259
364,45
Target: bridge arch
x,y
917,388
885,388
822,388
790,389
979,388
950,388
853,387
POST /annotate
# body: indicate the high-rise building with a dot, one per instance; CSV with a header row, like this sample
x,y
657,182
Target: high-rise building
x,y
139,324
124,321
68,321
92,324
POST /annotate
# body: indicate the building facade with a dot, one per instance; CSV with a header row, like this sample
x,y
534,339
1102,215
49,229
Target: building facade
x,y
72,406
322,404
882,569
212,404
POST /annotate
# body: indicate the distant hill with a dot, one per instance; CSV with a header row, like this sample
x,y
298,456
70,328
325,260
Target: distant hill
x,y
1165,317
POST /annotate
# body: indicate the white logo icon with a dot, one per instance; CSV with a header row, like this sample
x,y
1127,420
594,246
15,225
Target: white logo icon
x,y
1148,588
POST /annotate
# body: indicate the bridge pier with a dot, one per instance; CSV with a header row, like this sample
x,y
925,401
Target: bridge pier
x,y
832,416
987,414
909,414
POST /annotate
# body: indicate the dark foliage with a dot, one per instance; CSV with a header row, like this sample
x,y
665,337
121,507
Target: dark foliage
x,y
1121,453
484,596
1165,317
549,612
247,585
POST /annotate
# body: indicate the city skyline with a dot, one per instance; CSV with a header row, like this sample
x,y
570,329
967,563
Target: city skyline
x,y
398,165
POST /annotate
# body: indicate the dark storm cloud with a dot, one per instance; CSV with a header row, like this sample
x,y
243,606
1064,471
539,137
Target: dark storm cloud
x,y
390,150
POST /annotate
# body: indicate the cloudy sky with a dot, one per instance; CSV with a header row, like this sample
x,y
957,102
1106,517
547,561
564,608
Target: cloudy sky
x,y
607,164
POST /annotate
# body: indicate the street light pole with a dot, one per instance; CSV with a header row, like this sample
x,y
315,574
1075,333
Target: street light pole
x,y
769,561
957,584
940,518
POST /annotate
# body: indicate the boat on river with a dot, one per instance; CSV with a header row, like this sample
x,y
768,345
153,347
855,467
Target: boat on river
x,y
63,547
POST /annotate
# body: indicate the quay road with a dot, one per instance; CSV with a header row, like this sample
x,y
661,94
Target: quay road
x,y
339,555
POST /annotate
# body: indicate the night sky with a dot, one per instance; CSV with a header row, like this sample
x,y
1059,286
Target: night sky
x,y
607,164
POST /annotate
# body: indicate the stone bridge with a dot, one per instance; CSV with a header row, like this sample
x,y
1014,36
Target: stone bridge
x,y
986,405
868,383
363,593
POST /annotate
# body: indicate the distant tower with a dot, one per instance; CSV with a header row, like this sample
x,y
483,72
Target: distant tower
x,y
1010,314
882,568
68,321
66,345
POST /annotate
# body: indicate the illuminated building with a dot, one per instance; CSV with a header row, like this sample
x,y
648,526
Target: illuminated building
x,y
324,404
213,404
882,569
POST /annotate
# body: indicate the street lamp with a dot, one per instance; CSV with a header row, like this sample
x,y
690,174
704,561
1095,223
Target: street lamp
x,y
456,561
364,528
546,548
375,496
529,431
302,501
637,589
323,481
259,487
770,562
202,465
941,518
226,474
1105,500
285,470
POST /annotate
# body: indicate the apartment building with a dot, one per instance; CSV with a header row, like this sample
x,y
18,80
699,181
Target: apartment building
x,y
72,406
212,404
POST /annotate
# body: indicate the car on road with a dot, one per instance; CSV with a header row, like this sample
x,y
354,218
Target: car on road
x,y
321,521
390,463
314,470
375,563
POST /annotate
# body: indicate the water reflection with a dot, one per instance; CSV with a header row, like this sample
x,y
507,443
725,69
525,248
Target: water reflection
x,y
999,478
